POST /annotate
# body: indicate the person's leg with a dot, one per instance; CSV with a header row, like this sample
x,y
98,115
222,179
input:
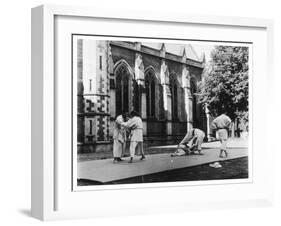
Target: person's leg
x,y
190,143
133,145
224,144
223,148
199,144
138,149
119,150
122,151
141,150
187,149
115,150
193,145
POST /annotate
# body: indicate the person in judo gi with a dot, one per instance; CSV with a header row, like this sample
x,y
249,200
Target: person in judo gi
x,y
119,137
222,124
134,124
190,143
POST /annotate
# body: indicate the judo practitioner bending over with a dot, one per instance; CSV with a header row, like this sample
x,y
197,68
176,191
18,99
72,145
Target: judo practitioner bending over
x,y
190,143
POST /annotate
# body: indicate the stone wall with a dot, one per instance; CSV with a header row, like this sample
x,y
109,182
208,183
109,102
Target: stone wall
x,y
98,63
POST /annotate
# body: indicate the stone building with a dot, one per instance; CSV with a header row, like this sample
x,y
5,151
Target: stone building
x,y
157,80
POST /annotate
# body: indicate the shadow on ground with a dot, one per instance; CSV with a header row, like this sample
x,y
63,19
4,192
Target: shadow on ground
x,y
25,212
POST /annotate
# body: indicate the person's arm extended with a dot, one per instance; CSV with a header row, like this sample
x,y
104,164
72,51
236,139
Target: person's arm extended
x,y
129,124
186,139
214,125
227,123
193,142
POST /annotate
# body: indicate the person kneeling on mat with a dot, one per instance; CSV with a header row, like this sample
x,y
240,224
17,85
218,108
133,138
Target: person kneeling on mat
x,y
190,143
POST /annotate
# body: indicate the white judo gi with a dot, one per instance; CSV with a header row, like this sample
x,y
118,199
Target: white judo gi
x,y
197,134
119,137
192,140
136,139
221,124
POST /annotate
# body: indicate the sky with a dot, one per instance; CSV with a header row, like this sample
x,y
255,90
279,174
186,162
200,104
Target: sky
x,y
207,49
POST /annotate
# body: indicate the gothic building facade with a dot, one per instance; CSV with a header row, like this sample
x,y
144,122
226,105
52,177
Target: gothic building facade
x,y
157,80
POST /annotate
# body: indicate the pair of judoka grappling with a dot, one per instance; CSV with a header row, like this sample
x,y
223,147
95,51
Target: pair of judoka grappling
x,y
133,125
191,142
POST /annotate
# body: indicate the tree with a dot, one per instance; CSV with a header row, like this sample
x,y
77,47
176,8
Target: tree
x,y
225,82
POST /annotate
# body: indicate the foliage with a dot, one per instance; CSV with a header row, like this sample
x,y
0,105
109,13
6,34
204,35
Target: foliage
x,y
225,83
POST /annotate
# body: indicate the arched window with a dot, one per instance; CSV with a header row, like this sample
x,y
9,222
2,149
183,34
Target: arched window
x,y
123,87
150,93
136,96
174,96
161,102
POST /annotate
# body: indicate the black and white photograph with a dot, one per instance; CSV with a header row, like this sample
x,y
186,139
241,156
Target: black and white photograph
x,y
160,110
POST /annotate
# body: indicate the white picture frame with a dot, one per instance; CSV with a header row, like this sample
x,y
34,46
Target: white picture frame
x,y
53,199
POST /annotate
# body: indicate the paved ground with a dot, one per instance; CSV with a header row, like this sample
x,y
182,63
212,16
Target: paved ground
x,y
231,169
105,170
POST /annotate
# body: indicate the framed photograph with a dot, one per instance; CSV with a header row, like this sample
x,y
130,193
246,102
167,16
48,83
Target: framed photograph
x,y
136,112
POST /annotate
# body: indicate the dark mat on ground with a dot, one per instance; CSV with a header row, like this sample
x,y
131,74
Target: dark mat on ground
x,y
231,169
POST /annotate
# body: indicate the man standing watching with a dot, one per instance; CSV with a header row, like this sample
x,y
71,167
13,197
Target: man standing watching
x,y
221,124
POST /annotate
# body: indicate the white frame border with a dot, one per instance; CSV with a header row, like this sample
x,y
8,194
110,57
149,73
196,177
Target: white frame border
x,y
43,185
